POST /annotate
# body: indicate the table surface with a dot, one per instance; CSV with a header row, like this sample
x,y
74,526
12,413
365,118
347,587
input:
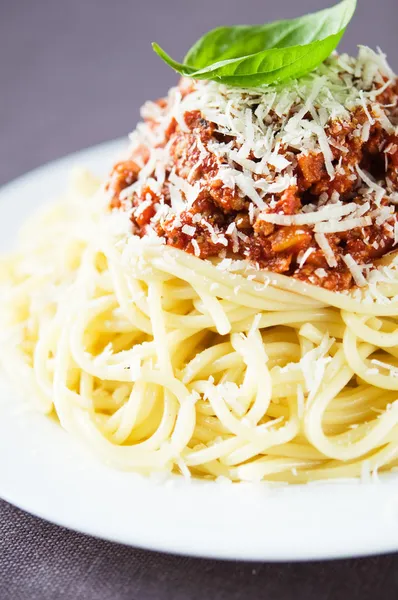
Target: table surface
x,y
72,74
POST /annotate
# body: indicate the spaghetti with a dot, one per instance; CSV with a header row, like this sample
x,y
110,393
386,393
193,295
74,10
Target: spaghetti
x,y
162,361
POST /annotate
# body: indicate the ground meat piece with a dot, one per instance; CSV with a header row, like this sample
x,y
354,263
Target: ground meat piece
x,y
198,124
280,263
342,183
391,153
366,244
338,279
373,159
206,209
312,169
183,154
263,228
289,202
185,149
123,174
317,258
144,207
177,238
376,141
229,200
242,221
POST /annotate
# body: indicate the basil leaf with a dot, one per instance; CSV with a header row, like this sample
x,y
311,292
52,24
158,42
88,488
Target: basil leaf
x,y
259,55
179,67
228,42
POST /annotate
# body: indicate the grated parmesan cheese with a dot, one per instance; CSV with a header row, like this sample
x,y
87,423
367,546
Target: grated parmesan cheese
x,y
324,245
188,230
304,257
263,133
195,246
356,270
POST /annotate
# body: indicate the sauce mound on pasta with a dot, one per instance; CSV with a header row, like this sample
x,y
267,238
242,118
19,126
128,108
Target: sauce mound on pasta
x,y
300,178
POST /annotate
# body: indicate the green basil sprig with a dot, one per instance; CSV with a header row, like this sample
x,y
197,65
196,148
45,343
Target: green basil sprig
x,y
255,55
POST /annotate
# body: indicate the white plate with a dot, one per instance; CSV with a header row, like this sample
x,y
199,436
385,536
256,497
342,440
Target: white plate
x,y
48,473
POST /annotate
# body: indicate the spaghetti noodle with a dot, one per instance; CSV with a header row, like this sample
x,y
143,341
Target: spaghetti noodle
x,y
163,361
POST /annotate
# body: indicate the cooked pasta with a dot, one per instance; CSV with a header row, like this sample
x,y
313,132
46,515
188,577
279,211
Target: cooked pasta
x,y
165,362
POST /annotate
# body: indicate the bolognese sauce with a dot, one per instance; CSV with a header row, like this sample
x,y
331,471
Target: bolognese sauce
x,y
299,179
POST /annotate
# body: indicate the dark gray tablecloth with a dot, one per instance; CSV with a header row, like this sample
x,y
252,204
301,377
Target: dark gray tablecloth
x,y
73,73
39,561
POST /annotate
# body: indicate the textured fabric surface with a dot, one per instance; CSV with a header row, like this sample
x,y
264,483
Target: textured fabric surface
x,y
73,73
39,561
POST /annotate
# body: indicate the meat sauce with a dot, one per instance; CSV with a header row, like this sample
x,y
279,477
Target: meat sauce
x,y
279,248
